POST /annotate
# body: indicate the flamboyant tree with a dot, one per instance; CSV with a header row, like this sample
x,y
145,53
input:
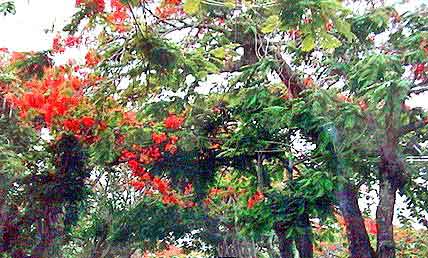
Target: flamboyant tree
x,y
243,118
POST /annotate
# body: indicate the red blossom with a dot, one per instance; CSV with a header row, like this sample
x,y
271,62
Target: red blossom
x,y
161,185
328,26
133,164
371,226
308,81
419,70
72,41
173,139
188,189
154,152
214,192
173,2
92,59
126,155
363,105
102,126
137,185
117,5
171,148
145,176
173,122
50,97
139,172
17,56
159,138
72,125
87,122
257,197
57,46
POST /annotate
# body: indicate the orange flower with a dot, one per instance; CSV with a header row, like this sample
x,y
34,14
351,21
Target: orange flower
x,y
257,197
371,226
171,148
419,70
173,139
137,185
159,138
363,105
72,125
87,122
188,189
328,26
92,59
173,122
133,164
308,81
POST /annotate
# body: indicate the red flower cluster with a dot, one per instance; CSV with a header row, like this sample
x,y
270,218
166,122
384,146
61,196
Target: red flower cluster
x,y
163,138
257,197
82,128
94,6
118,15
92,59
420,70
76,125
308,81
159,138
59,45
343,98
188,189
173,122
328,26
174,2
169,8
171,148
371,226
170,145
144,181
53,96
363,105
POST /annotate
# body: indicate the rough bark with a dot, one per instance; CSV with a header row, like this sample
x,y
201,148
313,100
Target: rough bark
x,y
359,243
384,215
391,178
304,241
285,244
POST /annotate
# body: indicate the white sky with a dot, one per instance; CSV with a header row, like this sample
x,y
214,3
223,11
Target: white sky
x,y
25,30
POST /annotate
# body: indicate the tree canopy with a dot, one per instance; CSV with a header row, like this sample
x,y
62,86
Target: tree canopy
x,y
229,128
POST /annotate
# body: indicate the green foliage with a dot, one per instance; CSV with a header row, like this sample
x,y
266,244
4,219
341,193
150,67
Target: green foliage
x,y
7,7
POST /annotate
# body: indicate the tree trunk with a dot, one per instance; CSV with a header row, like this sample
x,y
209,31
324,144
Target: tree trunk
x,y
358,239
384,215
285,244
304,241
